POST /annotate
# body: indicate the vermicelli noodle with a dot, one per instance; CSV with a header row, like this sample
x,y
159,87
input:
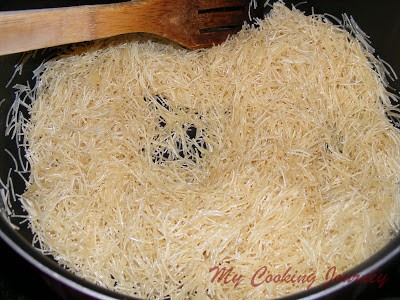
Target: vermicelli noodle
x,y
151,165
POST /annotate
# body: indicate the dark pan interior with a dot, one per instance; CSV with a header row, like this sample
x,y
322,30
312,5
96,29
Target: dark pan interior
x,y
379,20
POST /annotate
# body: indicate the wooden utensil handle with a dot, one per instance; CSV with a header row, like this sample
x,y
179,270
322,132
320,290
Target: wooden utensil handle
x,y
40,28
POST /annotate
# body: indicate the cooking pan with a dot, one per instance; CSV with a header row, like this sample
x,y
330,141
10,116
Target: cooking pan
x,y
379,19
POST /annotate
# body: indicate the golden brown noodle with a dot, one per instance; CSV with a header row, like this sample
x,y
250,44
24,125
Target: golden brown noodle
x,y
151,165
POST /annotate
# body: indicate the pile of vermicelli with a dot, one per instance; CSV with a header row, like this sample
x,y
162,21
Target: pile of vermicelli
x,y
151,164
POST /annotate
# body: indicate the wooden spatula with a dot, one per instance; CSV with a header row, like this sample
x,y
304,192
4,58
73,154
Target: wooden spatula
x,y
192,23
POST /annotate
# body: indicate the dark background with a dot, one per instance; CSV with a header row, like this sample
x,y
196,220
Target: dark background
x,y
21,281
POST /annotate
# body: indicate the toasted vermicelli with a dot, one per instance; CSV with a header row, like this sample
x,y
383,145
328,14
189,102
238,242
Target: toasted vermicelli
x,y
150,165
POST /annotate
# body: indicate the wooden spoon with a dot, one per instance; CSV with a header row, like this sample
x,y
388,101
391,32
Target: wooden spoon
x,y
192,23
